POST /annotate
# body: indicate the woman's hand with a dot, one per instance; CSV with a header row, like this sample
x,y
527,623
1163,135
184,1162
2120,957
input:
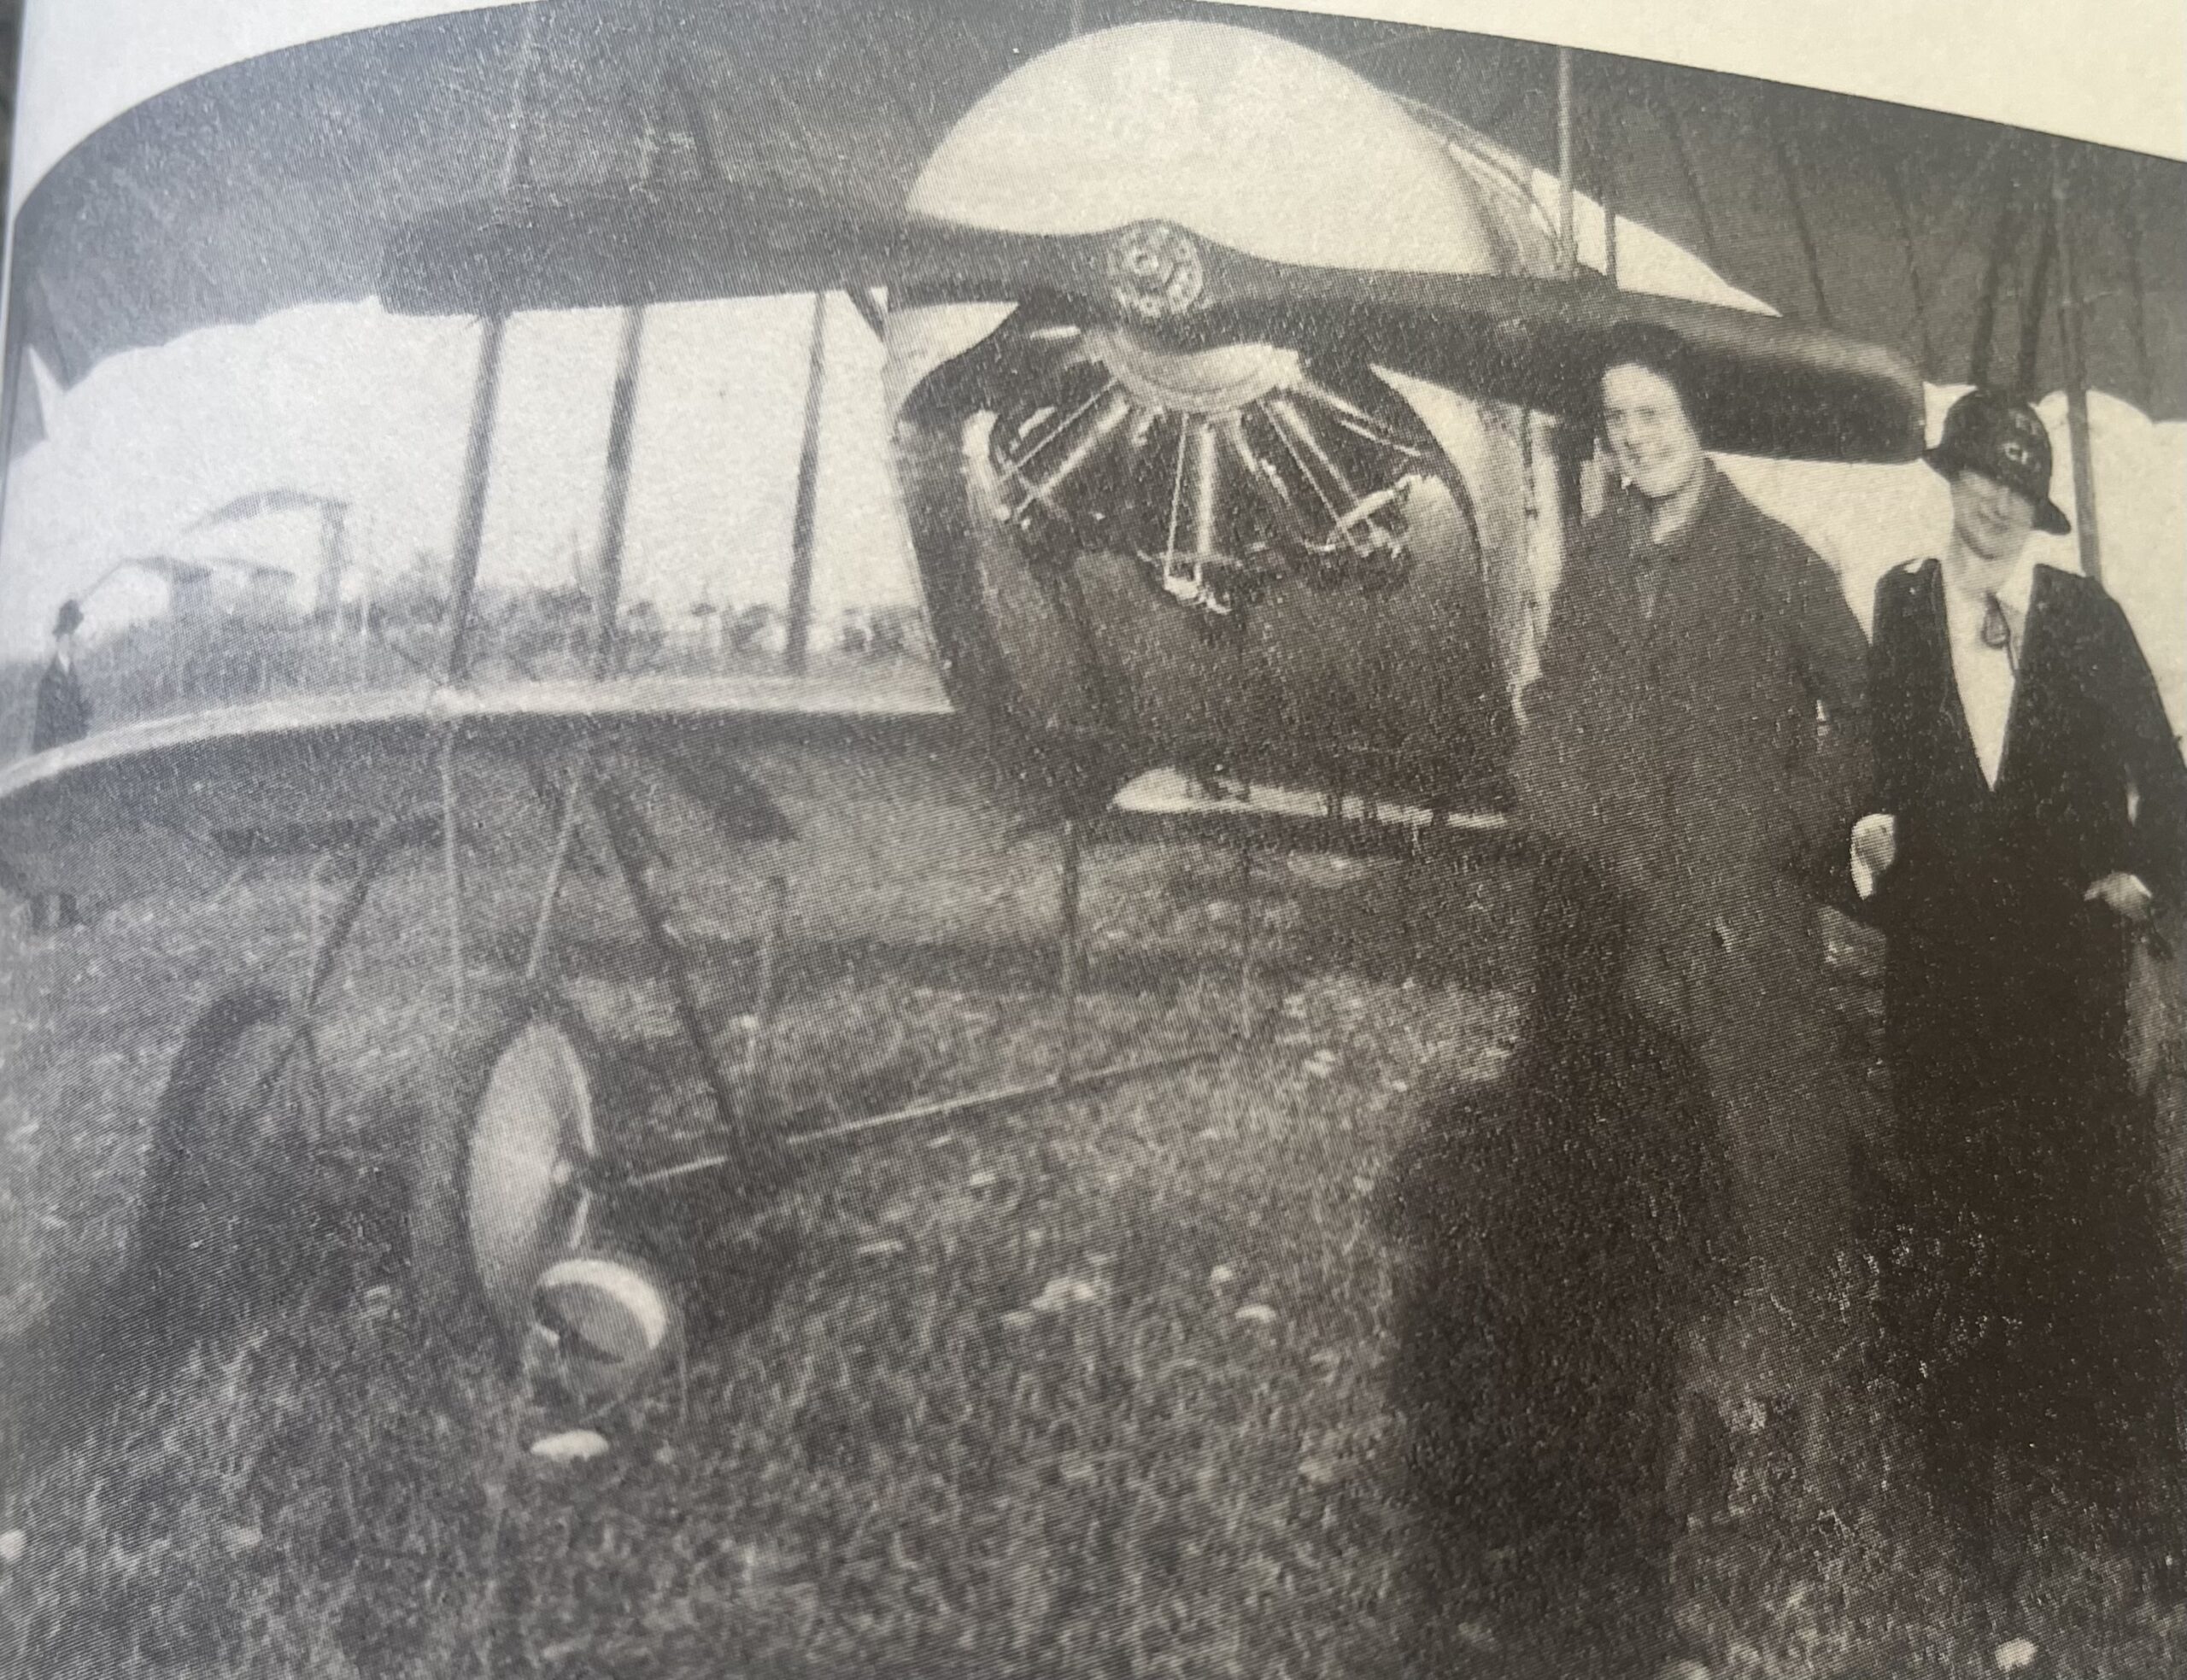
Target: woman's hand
x,y
2125,895
1875,849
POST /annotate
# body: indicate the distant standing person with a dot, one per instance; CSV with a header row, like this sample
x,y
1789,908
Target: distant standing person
x,y
1673,739
63,716
2034,815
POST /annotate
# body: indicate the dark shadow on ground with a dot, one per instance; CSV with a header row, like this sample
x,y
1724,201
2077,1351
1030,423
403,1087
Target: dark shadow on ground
x,y
110,1334
1558,1231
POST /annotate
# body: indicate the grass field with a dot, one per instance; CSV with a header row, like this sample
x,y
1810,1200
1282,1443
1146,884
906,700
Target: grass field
x,y
1098,1389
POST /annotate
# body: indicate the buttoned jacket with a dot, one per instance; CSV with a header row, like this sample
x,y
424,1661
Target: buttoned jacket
x,y
1709,755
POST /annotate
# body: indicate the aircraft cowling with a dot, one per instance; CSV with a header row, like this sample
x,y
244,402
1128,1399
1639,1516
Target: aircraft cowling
x,y
1140,549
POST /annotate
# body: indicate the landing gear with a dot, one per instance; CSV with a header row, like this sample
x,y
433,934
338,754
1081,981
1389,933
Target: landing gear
x,y
501,1179
229,1187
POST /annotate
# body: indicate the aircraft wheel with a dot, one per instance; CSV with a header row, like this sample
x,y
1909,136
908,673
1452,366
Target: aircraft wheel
x,y
228,1197
499,1189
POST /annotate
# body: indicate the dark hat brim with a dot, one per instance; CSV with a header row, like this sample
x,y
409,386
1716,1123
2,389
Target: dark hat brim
x,y
2049,516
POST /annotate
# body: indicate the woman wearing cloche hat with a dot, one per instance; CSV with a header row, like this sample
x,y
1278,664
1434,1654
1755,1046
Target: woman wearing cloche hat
x,y
2034,814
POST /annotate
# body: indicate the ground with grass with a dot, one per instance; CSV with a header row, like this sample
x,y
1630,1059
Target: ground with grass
x,y
1099,1389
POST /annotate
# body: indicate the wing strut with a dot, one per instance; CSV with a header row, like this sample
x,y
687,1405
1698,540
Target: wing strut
x,y
2070,324
1606,138
868,306
1568,244
799,634
615,497
471,514
471,518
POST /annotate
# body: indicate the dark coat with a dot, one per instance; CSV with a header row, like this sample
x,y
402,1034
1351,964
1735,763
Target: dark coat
x,y
2031,1261
1681,749
1680,753
63,714
1991,937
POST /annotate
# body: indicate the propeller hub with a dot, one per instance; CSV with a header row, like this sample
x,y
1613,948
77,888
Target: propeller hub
x,y
1155,272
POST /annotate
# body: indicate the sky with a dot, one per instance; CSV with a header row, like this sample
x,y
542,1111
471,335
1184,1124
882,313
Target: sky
x,y
348,401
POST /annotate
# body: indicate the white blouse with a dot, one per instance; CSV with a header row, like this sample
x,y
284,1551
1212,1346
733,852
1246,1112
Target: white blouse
x,y
1986,675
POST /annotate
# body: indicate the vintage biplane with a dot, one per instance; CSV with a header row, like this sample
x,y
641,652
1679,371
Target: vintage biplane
x,y
1239,403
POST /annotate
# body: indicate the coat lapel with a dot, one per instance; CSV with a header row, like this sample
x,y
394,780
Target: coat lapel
x,y
1952,728
2034,662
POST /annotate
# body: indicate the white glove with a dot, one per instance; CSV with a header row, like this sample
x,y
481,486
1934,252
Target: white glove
x,y
2127,896
1875,849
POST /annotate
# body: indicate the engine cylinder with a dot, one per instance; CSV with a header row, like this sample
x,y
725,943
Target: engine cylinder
x,y
1244,557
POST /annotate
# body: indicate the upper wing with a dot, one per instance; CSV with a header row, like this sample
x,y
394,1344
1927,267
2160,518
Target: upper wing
x,y
279,179
1943,238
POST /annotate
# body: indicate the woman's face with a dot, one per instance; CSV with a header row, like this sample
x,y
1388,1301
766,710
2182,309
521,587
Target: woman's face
x,y
1649,437
1991,521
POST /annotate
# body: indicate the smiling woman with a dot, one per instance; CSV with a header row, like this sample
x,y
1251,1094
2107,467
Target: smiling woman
x,y
2042,807
1699,738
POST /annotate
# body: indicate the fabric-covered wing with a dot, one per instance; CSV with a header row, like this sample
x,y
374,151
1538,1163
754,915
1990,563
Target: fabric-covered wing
x,y
182,801
320,772
280,180
1931,234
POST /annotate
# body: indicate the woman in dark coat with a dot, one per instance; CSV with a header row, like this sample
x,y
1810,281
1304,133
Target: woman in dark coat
x,y
1671,741
2035,810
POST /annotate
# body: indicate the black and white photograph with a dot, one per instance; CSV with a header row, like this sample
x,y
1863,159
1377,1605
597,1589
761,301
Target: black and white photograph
x,y
1093,837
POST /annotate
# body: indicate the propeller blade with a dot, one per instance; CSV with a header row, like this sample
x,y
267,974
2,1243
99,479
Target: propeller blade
x,y
641,244
1763,385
